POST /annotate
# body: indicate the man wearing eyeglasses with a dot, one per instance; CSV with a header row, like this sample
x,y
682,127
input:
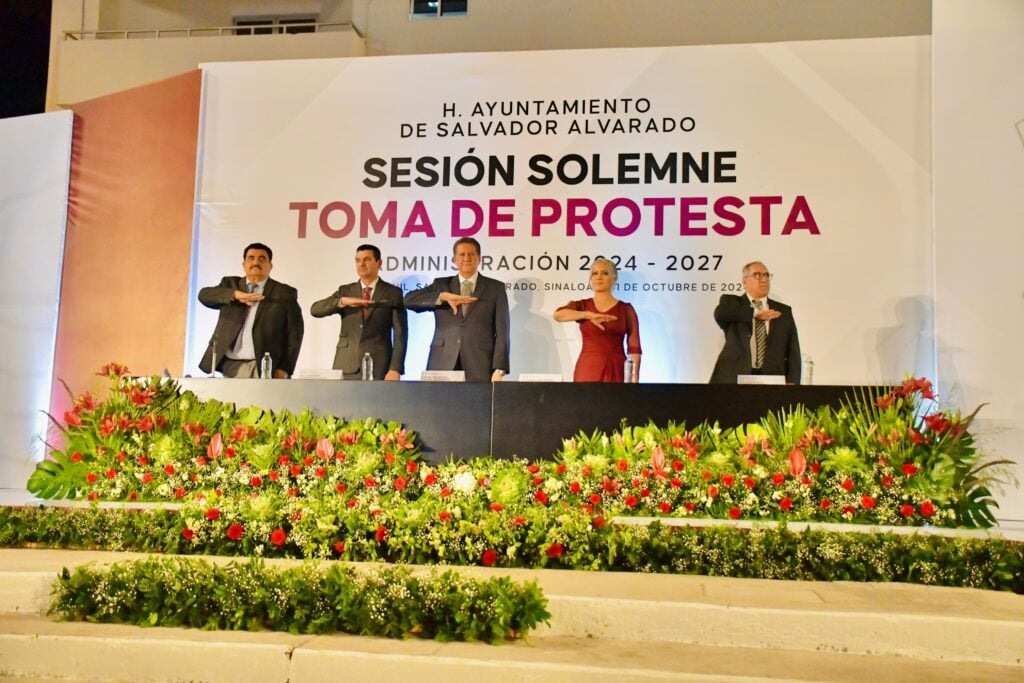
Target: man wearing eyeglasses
x,y
760,333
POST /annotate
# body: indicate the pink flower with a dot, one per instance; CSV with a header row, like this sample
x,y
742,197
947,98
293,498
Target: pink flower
x,y
278,537
797,462
324,448
215,447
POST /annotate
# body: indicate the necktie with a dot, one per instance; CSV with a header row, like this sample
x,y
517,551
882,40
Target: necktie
x,y
760,336
251,287
366,297
467,290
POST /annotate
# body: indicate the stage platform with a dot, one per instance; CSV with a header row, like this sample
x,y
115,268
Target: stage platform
x,y
604,626
510,419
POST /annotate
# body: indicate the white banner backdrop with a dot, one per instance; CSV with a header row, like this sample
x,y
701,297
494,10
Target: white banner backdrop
x,y
34,171
682,163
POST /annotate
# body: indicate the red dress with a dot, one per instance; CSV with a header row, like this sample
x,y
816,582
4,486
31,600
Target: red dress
x,y
602,358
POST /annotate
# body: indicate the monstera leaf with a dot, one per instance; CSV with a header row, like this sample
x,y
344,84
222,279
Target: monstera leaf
x,y
57,477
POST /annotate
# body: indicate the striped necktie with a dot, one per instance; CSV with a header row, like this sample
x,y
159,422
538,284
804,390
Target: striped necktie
x,y
760,336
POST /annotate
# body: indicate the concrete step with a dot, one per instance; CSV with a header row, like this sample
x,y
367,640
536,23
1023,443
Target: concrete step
x,y
38,647
626,626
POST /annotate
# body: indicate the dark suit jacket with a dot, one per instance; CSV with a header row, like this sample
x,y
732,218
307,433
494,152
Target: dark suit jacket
x,y
735,316
480,340
383,334
277,328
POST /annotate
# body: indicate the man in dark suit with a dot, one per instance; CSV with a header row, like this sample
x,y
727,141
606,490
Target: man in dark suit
x,y
760,333
373,320
471,320
257,315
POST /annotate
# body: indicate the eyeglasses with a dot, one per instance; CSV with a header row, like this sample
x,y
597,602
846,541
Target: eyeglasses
x,y
760,276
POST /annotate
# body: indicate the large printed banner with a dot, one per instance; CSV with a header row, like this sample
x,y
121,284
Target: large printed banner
x,y
680,164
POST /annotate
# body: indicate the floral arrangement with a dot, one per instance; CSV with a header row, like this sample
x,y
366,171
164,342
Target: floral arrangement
x,y
253,482
309,598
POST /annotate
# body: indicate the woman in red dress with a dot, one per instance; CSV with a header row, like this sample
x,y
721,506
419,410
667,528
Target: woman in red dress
x,y
604,322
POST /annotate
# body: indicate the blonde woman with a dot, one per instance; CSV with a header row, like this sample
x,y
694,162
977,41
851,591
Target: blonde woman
x,y
604,323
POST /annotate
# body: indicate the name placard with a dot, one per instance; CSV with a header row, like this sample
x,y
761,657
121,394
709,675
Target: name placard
x,y
443,376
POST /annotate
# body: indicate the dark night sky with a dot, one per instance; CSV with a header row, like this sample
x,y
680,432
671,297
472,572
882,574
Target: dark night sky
x,y
24,48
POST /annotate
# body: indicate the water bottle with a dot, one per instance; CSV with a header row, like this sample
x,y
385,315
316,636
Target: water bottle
x,y
807,376
367,367
267,367
213,359
628,372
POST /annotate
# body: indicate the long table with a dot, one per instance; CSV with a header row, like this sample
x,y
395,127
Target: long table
x,y
509,419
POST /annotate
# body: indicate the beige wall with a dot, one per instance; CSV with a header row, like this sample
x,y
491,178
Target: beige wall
x,y
90,68
93,68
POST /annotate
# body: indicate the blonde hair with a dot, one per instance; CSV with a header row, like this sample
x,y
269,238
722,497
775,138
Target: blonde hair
x,y
611,268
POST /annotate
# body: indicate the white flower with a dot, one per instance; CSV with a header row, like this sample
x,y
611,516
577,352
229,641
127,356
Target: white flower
x,y
464,482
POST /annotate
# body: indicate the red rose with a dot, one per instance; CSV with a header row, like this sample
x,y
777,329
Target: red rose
x,y
887,481
76,457
867,502
805,481
134,495
519,521
595,498
749,482
91,477
93,495
411,467
201,461
274,476
849,511
489,557
907,510
778,478
169,469
665,508
586,471
574,487
848,484
631,501
909,469
278,537
728,479
256,482
927,509
622,465
292,493
320,472
555,550
147,478
688,506
599,522
307,461
734,512
786,503
825,504
339,547
431,479
400,483
497,507
179,492
212,514
445,492
235,531
283,460
111,473
444,516
381,535
560,469
541,497
712,491
675,482
295,470
537,481
340,488
705,475
677,465
188,534
369,483
533,469
352,502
